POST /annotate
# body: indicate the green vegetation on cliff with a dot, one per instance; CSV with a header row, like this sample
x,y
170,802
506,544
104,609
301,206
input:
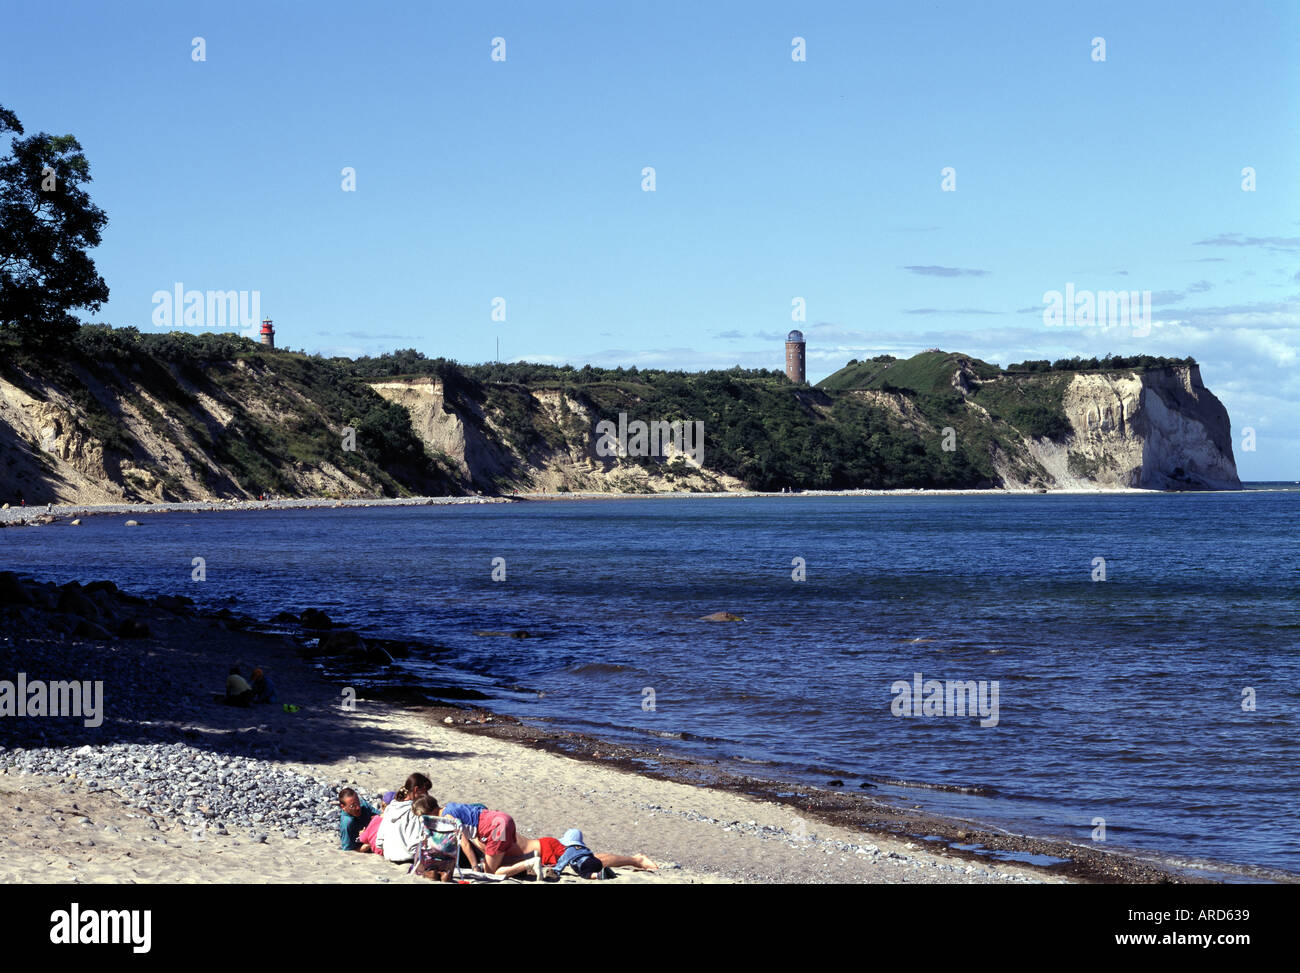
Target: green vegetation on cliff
x,y
242,420
876,424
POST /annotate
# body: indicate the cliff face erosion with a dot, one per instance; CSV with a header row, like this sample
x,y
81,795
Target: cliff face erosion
x,y
124,416
1159,430
115,417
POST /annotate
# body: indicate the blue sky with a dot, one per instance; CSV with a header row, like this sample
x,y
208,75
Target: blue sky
x,y
775,179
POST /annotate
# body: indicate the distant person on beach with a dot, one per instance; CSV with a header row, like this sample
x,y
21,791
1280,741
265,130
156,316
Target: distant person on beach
x,y
354,815
238,691
401,830
547,853
490,832
263,688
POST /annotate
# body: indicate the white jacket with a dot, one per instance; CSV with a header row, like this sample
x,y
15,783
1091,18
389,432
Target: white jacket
x,y
400,832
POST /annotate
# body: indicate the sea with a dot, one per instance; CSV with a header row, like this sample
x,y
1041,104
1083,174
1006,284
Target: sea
x,y
1137,655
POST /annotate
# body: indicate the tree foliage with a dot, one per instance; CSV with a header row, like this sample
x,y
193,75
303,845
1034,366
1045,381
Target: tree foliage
x,y
47,223
1107,364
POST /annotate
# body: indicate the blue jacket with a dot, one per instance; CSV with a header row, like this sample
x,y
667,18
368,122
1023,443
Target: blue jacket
x,y
572,856
467,814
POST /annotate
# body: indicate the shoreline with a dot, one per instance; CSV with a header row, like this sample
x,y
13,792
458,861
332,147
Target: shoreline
x,y
26,516
37,515
11,516
541,774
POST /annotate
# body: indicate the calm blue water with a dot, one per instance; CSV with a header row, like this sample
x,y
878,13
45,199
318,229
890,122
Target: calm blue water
x,y
1119,699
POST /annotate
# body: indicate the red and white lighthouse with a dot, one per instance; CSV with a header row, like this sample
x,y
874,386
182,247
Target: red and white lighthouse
x,y
268,333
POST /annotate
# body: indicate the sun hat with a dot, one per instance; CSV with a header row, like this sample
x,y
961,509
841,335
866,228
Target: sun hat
x,y
572,837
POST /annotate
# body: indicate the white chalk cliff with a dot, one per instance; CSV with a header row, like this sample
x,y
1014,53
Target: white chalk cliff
x,y
1160,429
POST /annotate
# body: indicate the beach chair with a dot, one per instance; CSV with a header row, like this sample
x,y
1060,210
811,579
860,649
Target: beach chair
x,y
439,849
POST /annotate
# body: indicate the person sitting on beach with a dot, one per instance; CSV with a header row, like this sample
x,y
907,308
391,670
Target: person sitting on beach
x,y
549,852
354,815
263,688
401,831
429,812
490,832
238,691
371,833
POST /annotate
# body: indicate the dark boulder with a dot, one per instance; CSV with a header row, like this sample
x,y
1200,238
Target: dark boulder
x,y
176,604
337,642
13,591
372,654
132,628
91,630
62,624
75,603
341,641
45,598
315,618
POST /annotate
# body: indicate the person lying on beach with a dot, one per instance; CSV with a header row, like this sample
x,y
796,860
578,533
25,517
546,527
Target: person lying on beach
x,y
549,852
577,854
354,815
401,831
490,832
263,689
238,691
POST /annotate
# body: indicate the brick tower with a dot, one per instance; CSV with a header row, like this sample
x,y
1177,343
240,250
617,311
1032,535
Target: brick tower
x,y
794,357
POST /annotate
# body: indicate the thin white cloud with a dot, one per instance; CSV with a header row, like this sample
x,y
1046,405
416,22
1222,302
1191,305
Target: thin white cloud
x,y
933,270
1278,244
